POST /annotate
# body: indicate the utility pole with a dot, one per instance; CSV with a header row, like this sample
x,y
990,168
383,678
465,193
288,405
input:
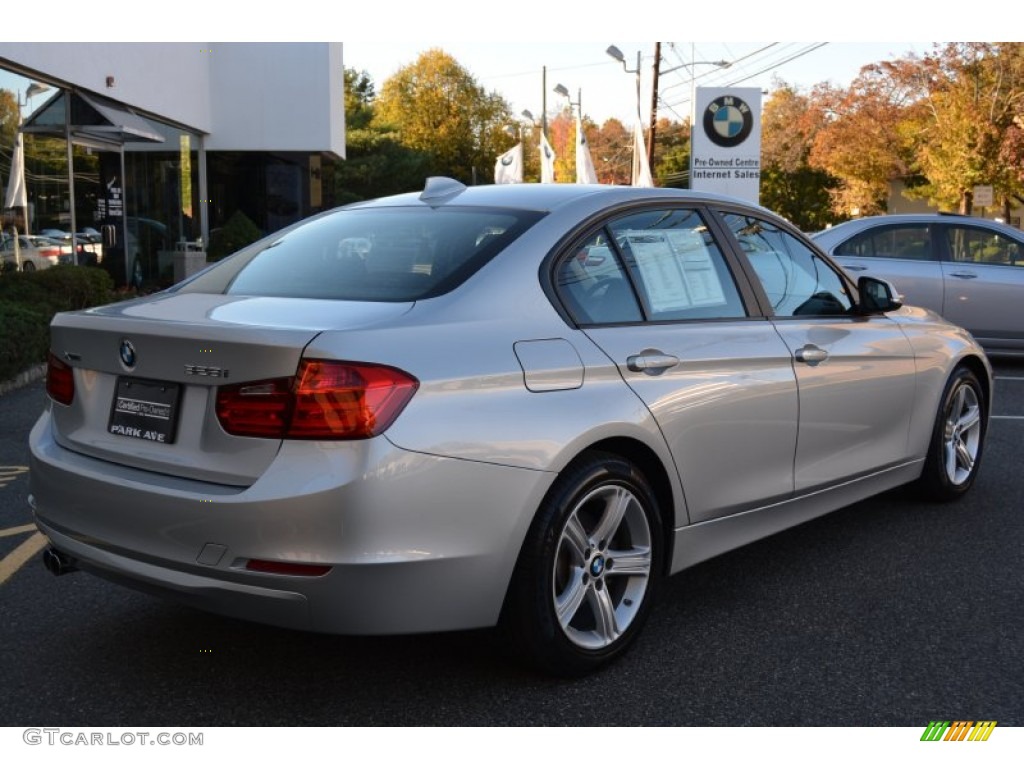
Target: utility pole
x,y
654,104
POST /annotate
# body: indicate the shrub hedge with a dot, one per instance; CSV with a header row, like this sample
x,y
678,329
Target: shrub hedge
x,y
29,300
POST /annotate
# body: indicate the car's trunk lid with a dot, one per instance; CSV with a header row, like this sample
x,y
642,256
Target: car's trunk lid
x,y
166,356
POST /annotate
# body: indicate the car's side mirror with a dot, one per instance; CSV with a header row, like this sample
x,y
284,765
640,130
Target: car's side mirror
x,y
877,296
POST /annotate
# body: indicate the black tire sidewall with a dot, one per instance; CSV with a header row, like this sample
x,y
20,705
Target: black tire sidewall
x,y
935,483
530,609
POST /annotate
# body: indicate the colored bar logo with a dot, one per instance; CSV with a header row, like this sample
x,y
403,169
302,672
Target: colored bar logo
x,y
959,730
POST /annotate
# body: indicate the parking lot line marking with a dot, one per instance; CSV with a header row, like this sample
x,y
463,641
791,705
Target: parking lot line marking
x,y
1017,418
24,552
9,473
1009,378
16,531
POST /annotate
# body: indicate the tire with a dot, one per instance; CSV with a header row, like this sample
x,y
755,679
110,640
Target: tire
x,y
588,570
28,266
958,439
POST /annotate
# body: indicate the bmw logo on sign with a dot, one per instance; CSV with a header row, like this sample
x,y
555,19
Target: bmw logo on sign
x,y
728,121
127,353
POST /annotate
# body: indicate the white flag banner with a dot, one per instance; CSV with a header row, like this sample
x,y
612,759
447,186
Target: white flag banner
x,y
509,167
641,168
17,197
547,161
585,173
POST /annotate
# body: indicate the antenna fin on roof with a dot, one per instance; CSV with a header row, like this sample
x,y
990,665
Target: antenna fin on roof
x,y
440,189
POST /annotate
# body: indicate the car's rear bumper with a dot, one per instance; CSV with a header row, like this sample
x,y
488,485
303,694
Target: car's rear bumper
x,y
415,543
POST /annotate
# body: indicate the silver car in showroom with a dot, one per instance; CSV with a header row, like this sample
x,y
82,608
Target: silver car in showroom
x,y
969,270
517,405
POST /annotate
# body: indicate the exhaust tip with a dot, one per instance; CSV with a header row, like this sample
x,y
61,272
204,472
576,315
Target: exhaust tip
x,y
57,562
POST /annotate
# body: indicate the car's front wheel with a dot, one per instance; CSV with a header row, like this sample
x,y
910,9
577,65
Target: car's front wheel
x,y
958,438
586,575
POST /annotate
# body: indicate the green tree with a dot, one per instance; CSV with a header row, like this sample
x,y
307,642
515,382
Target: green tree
x,y
672,154
359,96
435,106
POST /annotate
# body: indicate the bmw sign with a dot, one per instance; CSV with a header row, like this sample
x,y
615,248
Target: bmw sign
x,y
728,121
726,157
127,353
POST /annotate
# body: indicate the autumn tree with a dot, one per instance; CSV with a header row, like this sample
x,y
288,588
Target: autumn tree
x,y
971,134
435,106
867,133
376,162
611,148
790,186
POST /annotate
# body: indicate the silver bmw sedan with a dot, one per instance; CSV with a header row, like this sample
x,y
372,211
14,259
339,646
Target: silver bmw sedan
x,y
523,405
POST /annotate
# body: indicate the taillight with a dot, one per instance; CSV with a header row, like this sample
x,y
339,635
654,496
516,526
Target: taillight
x,y
325,400
49,253
60,380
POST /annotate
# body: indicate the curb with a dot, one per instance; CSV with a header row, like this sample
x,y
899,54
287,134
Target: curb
x,y
23,379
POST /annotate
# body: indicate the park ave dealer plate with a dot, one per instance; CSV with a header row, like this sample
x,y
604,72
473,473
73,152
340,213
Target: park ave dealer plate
x,y
145,409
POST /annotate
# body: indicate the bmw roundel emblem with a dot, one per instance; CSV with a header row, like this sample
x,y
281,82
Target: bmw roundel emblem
x,y
127,353
728,121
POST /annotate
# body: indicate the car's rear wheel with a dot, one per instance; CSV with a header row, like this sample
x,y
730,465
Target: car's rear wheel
x,y
28,266
958,438
588,570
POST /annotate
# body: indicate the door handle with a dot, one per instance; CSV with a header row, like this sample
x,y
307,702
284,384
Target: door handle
x,y
855,267
964,275
811,354
651,361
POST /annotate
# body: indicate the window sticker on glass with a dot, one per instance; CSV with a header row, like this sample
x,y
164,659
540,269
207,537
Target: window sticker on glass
x,y
676,269
698,268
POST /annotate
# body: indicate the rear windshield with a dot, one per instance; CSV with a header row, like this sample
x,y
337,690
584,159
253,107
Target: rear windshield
x,y
381,254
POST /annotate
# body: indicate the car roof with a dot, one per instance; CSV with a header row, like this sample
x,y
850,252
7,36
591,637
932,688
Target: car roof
x,y
848,228
548,197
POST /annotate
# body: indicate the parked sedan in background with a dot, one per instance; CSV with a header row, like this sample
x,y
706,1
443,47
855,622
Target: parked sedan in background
x,y
522,405
969,270
32,252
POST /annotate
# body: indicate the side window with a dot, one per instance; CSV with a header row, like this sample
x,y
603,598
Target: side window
x,y
796,279
982,246
594,286
904,242
678,269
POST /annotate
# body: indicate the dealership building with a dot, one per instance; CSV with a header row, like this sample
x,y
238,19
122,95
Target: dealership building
x,y
173,150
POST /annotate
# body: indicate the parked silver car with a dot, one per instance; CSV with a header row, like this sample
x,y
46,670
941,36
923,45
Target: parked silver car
x,y
969,270
515,404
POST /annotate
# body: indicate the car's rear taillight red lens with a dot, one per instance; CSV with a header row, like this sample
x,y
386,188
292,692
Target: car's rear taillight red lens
x,y
326,400
60,380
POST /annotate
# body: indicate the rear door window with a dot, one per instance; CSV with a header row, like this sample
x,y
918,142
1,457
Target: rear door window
x,y
911,241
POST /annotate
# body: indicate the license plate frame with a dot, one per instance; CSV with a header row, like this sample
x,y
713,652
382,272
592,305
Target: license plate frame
x,y
145,409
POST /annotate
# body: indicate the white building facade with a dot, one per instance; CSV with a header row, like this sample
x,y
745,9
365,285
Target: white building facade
x,y
189,147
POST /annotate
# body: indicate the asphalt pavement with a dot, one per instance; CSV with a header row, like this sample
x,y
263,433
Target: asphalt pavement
x,y
891,612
